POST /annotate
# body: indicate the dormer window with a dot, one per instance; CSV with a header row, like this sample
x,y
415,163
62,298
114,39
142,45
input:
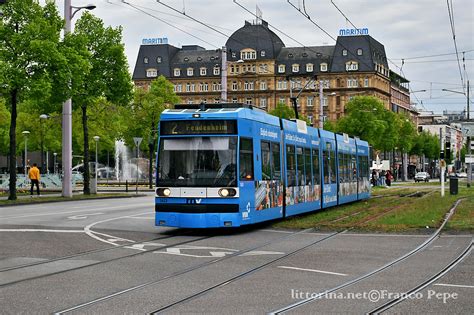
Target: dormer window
x,y
248,54
145,60
190,72
158,59
295,68
304,54
359,52
290,55
262,53
217,71
281,68
177,72
199,59
151,73
323,67
309,67
203,71
186,59
344,52
352,66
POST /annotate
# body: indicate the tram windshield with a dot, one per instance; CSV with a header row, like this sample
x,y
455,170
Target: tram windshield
x,y
198,162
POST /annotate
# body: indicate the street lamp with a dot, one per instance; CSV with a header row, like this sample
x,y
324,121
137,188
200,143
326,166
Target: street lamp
x,y
54,164
96,139
26,133
42,117
67,111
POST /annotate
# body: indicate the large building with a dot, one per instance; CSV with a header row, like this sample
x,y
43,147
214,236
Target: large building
x,y
262,71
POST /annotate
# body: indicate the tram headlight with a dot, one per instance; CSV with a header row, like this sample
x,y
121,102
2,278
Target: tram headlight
x,y
227,192
163,192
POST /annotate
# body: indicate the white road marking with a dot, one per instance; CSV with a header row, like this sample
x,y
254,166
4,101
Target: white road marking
x,y
210,251
92,234
83,216
455,285
313,270
144,218
132,206
261,252
41,230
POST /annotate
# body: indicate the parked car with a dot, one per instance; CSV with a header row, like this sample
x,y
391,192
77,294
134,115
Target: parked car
x,y
422,177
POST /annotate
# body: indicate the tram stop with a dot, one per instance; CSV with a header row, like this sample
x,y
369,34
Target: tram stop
x,y
453,185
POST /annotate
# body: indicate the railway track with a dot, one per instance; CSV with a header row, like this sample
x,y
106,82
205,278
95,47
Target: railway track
x,y
199,266
315,297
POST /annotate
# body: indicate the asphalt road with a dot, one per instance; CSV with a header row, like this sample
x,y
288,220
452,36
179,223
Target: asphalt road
x,y
108,255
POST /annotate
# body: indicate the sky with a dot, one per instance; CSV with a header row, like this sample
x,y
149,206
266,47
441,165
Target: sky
x,y
408,29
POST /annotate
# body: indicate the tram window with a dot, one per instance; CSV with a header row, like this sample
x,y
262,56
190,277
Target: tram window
x,y
333,166
266,166
276,163
316,174
246,159
300,165
353,168
307,166
291,165
326,167
340,160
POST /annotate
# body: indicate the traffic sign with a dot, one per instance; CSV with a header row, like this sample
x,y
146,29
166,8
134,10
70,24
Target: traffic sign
x,y
469,159
137,141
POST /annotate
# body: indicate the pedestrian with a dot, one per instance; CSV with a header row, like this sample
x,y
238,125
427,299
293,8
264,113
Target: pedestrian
x,y
374,177
388,178
34,175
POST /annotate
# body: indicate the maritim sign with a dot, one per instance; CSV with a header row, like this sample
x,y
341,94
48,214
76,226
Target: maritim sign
x,y
155,41
353,31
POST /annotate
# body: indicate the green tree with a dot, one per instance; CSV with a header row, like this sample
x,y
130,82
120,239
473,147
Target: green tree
x,y
107,77
283,111
145,112
31,62
4,127
365,117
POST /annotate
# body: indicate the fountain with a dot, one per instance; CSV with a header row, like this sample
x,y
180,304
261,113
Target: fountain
x,y
126,166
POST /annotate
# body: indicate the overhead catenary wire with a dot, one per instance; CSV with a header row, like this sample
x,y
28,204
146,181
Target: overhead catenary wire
x,y
432,56
169,24
451,20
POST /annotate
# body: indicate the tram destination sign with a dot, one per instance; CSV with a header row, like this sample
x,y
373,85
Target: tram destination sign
x,y
190,127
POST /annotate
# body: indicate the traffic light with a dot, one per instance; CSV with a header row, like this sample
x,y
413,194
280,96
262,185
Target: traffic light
x,y
448,150
441,155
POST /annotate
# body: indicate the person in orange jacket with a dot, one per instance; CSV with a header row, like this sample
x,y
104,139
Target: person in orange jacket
x,y
34,175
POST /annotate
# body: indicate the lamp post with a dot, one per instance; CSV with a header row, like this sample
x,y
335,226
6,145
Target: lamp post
x,y
96,139
54,164
26,133
42,118
67,111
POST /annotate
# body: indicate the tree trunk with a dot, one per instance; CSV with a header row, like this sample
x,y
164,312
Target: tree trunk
x,y
87,190
12,152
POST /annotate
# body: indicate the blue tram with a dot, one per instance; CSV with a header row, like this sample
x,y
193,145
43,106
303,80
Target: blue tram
x,y
228,165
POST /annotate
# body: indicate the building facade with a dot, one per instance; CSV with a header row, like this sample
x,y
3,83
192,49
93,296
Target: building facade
x,y
262,71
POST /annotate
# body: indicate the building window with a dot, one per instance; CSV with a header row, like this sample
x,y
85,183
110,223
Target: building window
x,y
216,86
158,59
178,88
193,87
310,119
177,72
188,87
234,86
186,59
202,71
366,82
235,100
290,55
263,85
326,84
352,66
248,101
190,100
248,55
145,60
359,52
234,55
325,101
344,52
351,83
282,100
281,85
248,85
262,53
309,67
151,73
217,71
190,72
263,68
281,68
199,58
295,68
323,67
263,102
309,101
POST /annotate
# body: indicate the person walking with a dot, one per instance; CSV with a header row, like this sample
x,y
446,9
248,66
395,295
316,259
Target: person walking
x,y
34,175
388,178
